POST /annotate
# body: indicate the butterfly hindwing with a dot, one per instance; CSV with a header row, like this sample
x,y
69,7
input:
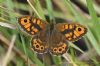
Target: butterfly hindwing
x,y
72,31
58,43
58,49
31,25
39,43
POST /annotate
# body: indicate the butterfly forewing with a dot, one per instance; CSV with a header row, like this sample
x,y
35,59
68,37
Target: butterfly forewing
x,y
72,31
31,25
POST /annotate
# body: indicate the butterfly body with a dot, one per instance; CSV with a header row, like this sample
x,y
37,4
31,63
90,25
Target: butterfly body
x,y
51,37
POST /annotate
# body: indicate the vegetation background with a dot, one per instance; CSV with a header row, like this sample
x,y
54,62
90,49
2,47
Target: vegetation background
x,y
15,47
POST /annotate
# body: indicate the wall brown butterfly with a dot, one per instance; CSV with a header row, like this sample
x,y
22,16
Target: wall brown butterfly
x,y
52,38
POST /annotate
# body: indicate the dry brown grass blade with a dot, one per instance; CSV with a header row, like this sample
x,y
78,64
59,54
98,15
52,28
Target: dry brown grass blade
x,y
7,25
7,10
15,50
34,9
88,55
62,7
68,58
8,54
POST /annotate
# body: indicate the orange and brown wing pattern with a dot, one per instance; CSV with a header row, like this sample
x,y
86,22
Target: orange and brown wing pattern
x,y
57,43
39,42
31,25
59,49
39,46
72,31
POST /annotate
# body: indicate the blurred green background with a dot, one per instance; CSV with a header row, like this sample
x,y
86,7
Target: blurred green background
x,y
15,47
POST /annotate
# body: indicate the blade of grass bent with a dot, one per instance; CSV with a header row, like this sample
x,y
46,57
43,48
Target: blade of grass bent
x,y
95,22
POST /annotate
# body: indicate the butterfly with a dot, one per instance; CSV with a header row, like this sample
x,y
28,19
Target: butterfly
x,y
51,37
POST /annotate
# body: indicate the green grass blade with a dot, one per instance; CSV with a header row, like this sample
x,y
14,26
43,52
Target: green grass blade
x,y
95,23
